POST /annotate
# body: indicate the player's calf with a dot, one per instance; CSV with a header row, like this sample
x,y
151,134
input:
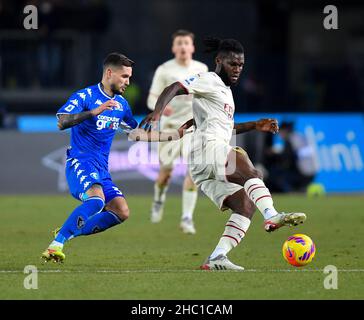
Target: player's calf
x,y
245,174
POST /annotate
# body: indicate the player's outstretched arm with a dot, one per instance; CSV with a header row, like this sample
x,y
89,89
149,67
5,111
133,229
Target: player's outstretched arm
x,y
66,121
264,125
173,90
160,136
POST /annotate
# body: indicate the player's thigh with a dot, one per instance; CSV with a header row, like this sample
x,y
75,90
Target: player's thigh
x,y
240,203
96,191
83,179
239,167
218,191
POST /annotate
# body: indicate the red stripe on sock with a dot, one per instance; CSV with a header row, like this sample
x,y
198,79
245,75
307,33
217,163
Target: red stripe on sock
x,y
250,187
255,189
229,225
262,198
224,235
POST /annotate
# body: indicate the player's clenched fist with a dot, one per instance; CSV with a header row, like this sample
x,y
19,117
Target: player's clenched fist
x,y
108,105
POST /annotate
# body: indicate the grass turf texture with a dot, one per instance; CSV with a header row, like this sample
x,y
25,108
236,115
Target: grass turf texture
x,y
138,260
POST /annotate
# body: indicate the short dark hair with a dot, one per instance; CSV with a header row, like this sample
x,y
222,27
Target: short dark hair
x,y
183,33
116,59
217,45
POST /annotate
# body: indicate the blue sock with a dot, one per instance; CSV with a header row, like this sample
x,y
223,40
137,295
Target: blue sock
x,y
100,222
77,220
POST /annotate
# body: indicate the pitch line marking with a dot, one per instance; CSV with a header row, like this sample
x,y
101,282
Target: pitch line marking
x,y
178,271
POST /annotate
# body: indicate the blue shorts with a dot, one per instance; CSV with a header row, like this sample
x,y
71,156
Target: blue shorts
x,y
82,174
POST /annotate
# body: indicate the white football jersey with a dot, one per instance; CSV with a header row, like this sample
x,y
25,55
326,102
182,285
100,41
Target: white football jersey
x,y
213,106
166,74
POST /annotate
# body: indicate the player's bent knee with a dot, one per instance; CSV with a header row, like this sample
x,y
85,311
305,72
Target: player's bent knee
x,y
254,173
259,174
123,213
165,178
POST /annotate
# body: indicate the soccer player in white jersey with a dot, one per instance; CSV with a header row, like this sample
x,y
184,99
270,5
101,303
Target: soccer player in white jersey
x,y
175,113
224,173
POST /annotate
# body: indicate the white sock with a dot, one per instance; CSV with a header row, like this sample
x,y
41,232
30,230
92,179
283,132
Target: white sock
x,y
56,243
260,195
235,230
160,192
189,199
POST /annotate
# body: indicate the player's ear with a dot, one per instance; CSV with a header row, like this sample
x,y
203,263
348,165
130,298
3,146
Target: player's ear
x,y
108,73
218,60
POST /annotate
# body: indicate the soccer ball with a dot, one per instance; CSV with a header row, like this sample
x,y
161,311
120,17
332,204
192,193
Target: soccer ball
x,y
298,250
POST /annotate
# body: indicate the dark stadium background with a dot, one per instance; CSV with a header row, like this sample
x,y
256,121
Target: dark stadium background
x,y
293,65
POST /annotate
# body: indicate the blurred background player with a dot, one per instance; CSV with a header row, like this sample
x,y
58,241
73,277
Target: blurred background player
x,y
292,167
175,114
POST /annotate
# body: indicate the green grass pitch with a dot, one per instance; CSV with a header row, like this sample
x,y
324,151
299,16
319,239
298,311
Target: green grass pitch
x,y
138,260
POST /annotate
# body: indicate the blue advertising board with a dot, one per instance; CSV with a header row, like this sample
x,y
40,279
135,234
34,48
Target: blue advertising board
x,y
337,141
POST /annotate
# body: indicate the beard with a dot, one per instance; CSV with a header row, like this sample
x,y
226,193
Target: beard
x,y
115,90
225,77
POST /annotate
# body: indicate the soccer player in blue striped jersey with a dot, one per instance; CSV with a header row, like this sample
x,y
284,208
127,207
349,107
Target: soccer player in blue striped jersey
x,y
94,114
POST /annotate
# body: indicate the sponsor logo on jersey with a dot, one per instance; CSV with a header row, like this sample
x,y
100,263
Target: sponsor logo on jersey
x,y
229,110
105,122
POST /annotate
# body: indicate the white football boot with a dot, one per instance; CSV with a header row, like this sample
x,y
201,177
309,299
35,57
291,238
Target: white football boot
x,y
187,226
284,219
221,262
156,212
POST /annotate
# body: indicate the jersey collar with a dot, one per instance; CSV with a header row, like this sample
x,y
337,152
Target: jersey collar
x,y
100,86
